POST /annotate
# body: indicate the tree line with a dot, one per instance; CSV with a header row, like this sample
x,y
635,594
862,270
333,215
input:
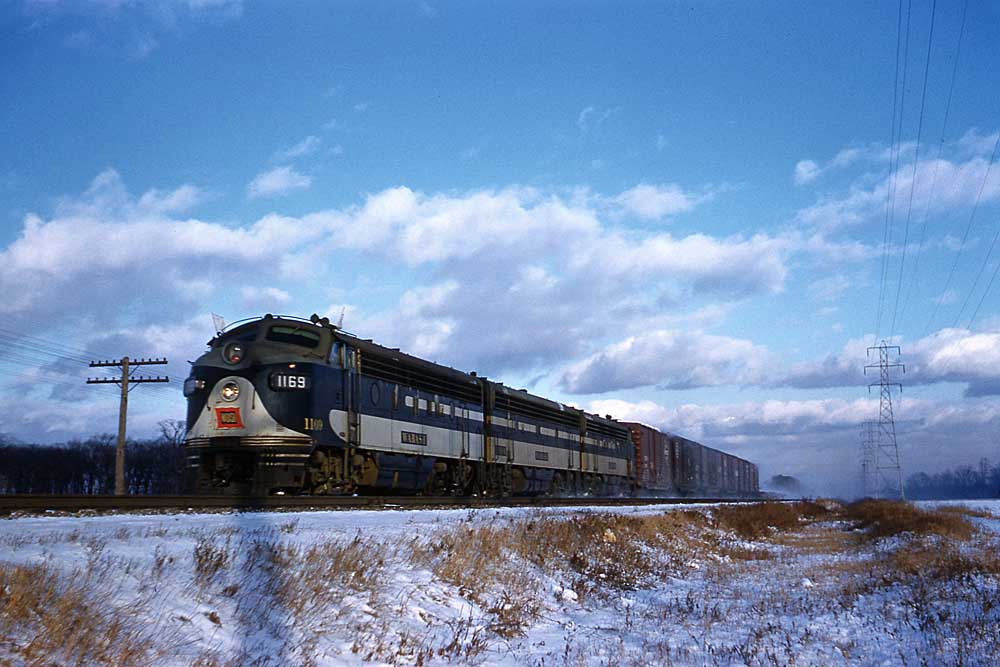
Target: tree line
x,y
964,481
153,466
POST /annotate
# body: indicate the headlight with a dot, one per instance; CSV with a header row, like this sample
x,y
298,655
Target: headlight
x,y
230,391
193,386
233,353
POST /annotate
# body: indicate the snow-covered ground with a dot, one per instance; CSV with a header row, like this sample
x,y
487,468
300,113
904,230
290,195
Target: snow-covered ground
x,y
595,586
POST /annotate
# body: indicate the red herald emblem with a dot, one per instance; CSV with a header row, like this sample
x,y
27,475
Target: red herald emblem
x,y
228,418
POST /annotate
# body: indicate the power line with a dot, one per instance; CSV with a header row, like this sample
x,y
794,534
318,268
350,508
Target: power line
x,y
887,226
34,351
965,236
937,159
983,297
979,274
913,176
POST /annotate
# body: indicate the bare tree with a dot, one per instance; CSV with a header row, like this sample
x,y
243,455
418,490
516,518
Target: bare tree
x,y
173,431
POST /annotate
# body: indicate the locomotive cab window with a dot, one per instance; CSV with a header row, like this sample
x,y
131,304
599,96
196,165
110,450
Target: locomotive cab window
x,y
293,336
247,335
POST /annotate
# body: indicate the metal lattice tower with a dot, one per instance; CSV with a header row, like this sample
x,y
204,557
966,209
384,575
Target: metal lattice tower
x,y
888,474
869,478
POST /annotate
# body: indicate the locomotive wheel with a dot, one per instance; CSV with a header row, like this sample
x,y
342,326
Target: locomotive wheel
x,y
462,478
559,487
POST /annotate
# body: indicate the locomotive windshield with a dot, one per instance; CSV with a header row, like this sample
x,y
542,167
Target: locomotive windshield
x,y
244,334
293,336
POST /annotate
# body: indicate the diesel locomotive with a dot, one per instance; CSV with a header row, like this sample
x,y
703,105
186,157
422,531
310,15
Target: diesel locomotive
x,y
285,405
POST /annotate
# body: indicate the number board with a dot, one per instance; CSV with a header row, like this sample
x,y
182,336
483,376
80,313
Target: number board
x,y
289,382
411,438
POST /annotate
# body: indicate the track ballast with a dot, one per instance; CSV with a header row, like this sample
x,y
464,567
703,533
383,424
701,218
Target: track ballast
x,y
40,504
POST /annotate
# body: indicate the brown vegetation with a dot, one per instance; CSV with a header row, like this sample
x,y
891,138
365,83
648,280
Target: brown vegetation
x,y
828,559
885,518
760,520
48,618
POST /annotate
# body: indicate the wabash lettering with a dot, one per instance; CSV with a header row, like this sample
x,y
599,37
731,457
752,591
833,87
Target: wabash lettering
x,y
410,438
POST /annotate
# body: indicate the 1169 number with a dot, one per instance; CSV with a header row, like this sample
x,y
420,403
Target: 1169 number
x,y
288,382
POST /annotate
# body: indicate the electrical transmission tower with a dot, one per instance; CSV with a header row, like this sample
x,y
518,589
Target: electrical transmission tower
x,y
869,479
127,383
888,474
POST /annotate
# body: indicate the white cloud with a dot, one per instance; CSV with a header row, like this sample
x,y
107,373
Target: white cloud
x,y
255,298
816,440
748,418
540,261
829,288
974,142
670,359
956,184
948,355
305,147
591,118
653,202
182,199
149,22
111,250
682,359
945,298
278,181
806,171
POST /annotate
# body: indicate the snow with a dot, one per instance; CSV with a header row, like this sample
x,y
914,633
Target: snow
x,y
369,601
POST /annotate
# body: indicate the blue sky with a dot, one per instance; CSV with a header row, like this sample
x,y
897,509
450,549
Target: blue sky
x,y
669,212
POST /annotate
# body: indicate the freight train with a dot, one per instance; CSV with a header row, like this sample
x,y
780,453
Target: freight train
x,y
285,405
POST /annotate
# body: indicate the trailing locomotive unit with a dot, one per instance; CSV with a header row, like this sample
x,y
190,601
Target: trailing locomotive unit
x,y
280,404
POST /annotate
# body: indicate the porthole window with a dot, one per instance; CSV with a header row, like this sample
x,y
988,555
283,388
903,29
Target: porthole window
x,y
375,393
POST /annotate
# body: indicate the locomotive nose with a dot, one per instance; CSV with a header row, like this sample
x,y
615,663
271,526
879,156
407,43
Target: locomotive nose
x,y
228,404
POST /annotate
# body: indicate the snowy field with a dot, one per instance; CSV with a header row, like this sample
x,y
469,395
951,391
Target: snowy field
x,y
690,585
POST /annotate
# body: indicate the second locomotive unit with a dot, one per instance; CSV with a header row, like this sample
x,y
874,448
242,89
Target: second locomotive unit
x,y
284,405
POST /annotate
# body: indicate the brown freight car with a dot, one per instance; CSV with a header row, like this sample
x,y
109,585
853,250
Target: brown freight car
x,y
671,464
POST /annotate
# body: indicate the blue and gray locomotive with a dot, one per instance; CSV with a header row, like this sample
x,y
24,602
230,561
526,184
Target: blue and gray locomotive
x,y
283,405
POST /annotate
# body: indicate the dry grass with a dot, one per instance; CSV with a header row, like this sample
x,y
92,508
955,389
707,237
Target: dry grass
x,y
816,538
50,619
597,553
755,563
491,564
761,520
210,559
885,518
965,511
475,560
940,560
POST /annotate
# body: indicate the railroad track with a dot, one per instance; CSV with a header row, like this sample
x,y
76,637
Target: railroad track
x,y
40,504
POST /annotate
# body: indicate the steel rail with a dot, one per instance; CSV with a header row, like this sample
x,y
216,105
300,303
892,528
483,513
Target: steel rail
x,y
36,504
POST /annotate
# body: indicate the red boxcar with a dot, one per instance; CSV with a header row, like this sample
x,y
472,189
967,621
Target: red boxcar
x,y
654,458
668,463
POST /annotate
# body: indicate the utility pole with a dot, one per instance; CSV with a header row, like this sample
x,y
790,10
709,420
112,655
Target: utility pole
x,y
888,472
125,364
